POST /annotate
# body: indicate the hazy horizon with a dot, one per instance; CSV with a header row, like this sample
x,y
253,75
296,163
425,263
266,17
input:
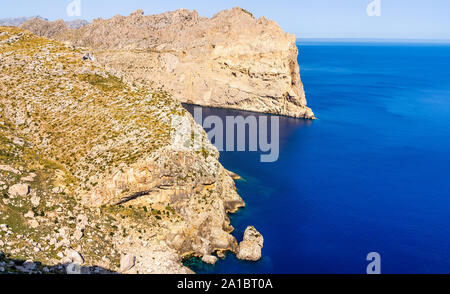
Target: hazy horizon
x,y
400,40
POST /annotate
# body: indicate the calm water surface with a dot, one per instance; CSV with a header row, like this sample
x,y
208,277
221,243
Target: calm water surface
x,y
371,174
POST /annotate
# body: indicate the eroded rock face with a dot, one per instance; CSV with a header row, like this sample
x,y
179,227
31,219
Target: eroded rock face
x,y
231,60
250,248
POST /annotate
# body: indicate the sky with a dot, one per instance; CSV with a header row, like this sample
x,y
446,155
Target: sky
x,y
392,19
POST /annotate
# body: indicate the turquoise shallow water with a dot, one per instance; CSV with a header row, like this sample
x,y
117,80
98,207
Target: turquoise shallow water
x,y
371,174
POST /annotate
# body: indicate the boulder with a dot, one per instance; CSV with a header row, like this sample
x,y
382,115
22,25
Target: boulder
x,y
29,178
20,190
9,169
34,224
29,214
82,221
209,259
35,200
74,257
89,56
57,190
79,234
19,142
127,262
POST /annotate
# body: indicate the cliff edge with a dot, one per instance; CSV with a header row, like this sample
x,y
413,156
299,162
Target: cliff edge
x,y
231,60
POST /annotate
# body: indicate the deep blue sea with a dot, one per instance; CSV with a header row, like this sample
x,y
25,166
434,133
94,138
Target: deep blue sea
x,y
372,174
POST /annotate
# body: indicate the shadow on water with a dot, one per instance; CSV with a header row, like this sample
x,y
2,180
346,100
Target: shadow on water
x,y
287,125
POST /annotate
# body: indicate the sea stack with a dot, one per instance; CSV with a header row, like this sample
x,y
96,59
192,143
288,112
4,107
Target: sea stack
x,y
250,248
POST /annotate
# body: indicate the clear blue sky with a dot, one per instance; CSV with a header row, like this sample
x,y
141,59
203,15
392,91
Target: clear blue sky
x,y
400,19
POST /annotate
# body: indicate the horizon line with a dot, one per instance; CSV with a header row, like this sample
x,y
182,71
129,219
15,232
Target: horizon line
x,y
377,39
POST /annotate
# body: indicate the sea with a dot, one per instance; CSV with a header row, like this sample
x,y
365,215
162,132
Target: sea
x,y
371,174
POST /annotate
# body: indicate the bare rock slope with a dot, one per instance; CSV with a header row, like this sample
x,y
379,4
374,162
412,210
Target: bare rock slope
x,y
231,60
89,173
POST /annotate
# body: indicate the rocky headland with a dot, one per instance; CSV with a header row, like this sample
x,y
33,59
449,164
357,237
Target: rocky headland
x,y
89,174
231,60
91,179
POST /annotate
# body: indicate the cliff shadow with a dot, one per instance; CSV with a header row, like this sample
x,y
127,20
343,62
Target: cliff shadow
x,y
9,265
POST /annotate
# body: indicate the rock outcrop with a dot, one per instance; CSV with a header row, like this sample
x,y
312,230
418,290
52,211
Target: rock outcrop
x,y
127,262
104,175
231,60
20,190
250,248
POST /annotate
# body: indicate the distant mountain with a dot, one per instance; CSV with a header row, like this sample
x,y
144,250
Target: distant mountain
x,y
76,24
16,22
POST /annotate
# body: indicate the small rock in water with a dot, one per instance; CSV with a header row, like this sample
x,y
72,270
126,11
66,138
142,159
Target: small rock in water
x,y
209,259
234,176
250,248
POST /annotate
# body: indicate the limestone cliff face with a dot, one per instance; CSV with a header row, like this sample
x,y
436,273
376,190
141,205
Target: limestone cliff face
x,y
231,60
89,171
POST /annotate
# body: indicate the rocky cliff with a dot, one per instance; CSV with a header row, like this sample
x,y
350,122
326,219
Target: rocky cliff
x,y
89,173
231,60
